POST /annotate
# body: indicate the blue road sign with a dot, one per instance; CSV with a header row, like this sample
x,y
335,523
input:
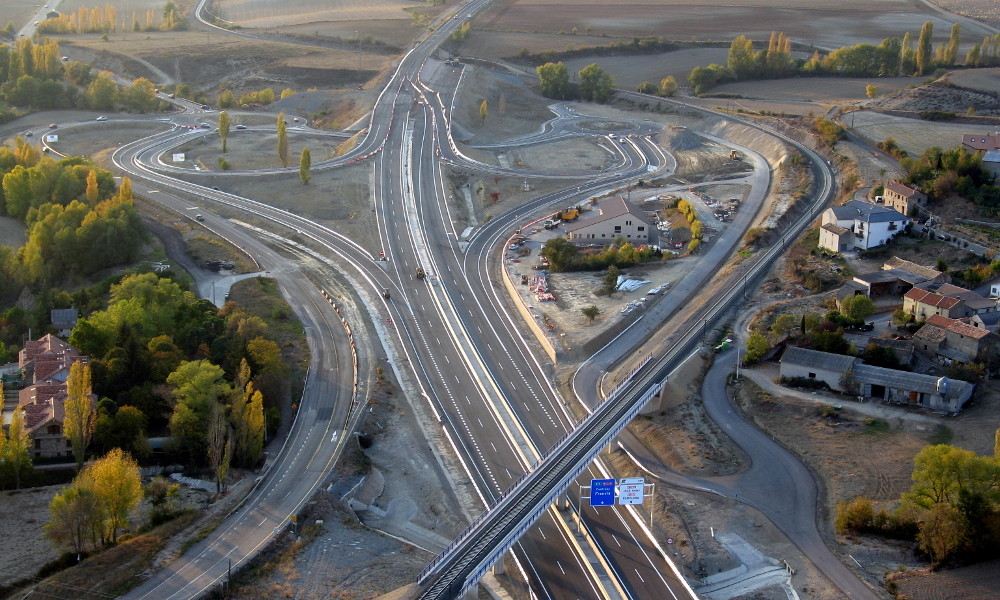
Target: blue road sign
x,y
602,492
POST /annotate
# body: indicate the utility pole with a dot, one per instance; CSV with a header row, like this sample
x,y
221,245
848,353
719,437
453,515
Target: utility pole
x,y
358,34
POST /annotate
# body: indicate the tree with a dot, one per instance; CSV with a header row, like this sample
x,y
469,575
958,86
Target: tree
x,y
74,513
924,48
287,92
198,385
305,163
857,307
941,532
93,193
951,51
224,128
560,252
611,280
596,84
282,139
115,480
756,347
16,451
142,95
784,324
220,446
81,414
907,56
668,86
900,317
871,90
554,79
742,59
972,59
102,91
482,111
941,265
226,99
591,312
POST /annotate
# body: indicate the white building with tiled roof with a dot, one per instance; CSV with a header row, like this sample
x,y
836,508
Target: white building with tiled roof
x,y
872,225
614,218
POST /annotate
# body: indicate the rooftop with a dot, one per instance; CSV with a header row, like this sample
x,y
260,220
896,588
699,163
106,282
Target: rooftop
x,y
905,380
931,299
903,190
867,212
609,209
836,229
898,263
817,360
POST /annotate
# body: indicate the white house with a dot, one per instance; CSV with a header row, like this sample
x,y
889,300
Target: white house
x,y
868,224
614,217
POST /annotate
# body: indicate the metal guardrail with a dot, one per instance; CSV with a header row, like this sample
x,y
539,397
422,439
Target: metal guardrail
x,y
495,531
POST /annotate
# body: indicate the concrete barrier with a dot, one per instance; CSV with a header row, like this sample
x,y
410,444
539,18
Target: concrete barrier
x,y
528,317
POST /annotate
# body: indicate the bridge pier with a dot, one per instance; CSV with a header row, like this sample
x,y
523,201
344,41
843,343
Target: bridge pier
x,y
472,594
498,566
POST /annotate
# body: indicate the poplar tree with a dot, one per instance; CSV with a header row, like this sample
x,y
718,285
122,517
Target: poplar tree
x,y
80,417
305,163
224,128
282,139
16,451
951,52
924,48
92,190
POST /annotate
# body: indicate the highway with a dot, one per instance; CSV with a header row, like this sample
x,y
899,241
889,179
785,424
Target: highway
x,y
492,395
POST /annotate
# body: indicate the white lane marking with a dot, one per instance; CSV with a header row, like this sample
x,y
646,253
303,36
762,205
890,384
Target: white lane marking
x,y
639,574
542,533
560,567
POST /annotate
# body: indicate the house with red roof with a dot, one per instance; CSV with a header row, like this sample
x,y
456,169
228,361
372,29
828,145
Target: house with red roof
x,y
46,363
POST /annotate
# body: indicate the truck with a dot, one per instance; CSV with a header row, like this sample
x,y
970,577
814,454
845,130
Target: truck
x,y
570,214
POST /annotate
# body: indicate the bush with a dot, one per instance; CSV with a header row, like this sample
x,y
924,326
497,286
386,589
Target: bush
x,y
857,515
938,115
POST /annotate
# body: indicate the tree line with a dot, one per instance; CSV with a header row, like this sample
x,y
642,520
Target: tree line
x,y
596,84
941,173
33,75
564,255
78,221
98,20
894,57
952,509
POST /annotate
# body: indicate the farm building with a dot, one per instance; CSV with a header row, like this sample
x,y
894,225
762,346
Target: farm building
x,y
991,162
952,341
812,364
902,198
871,225
980,143
836,238
932,275
889,385
614,217
889,282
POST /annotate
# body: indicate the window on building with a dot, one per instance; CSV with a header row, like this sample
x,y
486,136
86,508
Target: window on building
x,y
69,444
618,228
641,228
628,222
53,430
38,444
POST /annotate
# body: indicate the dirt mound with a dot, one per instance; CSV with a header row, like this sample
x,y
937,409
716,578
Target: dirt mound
x,y
941,96
681,138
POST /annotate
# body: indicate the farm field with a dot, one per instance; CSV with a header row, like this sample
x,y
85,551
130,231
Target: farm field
x,y
987,11
268,13
913,135
18,11
825,23
987,80
193,58
822,90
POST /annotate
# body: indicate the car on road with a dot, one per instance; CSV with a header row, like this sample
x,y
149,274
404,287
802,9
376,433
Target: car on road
x,y
241,127
28,134
204,107
205,126
53,126
296,119
102,118
199,218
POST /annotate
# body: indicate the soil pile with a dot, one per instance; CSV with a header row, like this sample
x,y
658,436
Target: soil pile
x,y
681,138
940,96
